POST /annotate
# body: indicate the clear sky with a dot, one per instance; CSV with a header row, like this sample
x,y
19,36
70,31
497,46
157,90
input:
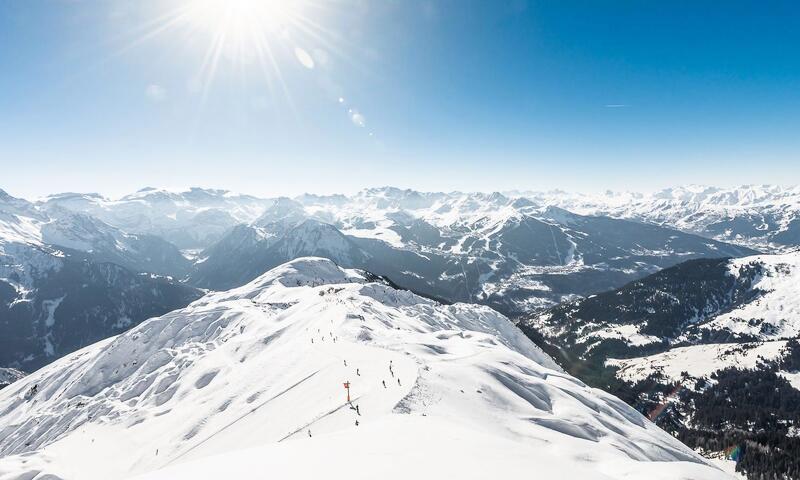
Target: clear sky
x,y
276,97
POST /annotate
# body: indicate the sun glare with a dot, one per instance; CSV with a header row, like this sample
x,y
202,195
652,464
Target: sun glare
x,y
247,32
243,17
269,39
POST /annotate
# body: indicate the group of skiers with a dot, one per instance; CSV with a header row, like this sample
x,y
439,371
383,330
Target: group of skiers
x,y
358,373
322,337
357,408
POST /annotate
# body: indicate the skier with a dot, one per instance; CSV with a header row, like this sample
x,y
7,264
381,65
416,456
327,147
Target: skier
x,y
384,383
357,373
398,382
345,363
358,411
309,433
356,422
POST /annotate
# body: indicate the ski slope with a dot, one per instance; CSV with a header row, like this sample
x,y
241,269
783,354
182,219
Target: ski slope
x,y
248,383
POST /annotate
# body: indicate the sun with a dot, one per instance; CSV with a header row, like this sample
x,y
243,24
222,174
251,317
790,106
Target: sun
x,y
246,33
233,18
258,41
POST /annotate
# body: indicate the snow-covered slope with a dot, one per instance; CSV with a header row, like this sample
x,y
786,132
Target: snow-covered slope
x,y
761,317
251,380
773,314
698,361
749,299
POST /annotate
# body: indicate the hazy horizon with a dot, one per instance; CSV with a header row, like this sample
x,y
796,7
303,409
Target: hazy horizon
x,y
267,194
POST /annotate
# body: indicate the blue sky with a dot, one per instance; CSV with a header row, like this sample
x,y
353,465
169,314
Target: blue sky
x,y
111,96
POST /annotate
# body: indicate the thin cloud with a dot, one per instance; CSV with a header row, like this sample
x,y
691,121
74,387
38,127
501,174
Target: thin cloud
x,y
155,93
616,105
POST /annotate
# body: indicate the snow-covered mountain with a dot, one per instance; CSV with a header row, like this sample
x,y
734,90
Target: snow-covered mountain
x,y
750,299
25,223
252,380
68,279
191,219
509,253
710,347
765,217
248,251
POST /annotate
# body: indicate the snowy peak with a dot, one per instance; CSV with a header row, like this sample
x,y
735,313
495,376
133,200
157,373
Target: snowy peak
x,y
264,367
305,271
16,206
283,210
312,236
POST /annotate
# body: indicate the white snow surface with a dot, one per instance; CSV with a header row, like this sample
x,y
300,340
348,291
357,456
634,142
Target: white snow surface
x,y
629,333
793,378
232,385
778,308
698,360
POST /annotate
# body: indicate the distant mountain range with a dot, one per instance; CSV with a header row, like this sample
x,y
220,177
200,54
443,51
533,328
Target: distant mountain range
x,y
192,219
507,253
764,217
